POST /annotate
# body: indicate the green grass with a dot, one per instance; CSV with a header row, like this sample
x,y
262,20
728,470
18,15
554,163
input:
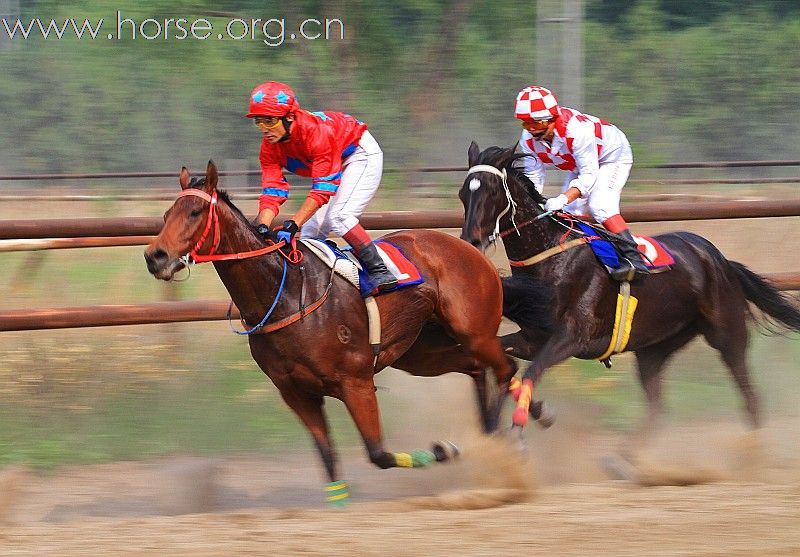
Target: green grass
x,y
696,383
102,397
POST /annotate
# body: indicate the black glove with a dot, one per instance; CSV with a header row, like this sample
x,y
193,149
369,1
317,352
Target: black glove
x,y
287,232
264,230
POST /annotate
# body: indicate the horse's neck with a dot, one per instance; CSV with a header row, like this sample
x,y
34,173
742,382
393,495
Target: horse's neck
x,y
534,235
251,282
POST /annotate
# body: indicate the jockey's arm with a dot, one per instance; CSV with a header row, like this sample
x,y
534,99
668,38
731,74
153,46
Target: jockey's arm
x,y
306,211
532,167
572,194
265,216
275,188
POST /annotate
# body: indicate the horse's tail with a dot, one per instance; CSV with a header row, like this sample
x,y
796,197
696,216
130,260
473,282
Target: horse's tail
x,y
767,298
527,301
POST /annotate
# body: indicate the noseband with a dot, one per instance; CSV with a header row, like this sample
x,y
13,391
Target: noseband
x,y
512,205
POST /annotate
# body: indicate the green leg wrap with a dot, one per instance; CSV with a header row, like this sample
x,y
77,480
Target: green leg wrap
x,y
337,493
416,459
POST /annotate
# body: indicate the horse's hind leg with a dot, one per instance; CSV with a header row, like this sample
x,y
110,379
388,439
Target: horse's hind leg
x,y
730,338
359,397
436,353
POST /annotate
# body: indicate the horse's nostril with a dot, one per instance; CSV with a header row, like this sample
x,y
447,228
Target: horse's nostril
x,y
155,258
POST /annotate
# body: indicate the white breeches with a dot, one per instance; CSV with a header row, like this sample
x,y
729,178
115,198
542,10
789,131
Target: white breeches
x,y
361,175
602,201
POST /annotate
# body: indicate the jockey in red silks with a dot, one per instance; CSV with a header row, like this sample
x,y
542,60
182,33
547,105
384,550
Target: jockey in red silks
x,y
596,156
340,156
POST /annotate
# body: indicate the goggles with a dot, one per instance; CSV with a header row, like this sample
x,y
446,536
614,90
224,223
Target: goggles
x,y
535,124
265,123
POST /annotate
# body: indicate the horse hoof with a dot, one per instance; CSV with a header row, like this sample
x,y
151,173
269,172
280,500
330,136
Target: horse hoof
x,y
445,450
544,414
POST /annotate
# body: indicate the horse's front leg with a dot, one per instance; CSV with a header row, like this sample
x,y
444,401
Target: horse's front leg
x,y
309,408
556,349
359,398
520,345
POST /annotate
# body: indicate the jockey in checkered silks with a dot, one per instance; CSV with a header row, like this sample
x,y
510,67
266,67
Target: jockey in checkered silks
x,y
596,156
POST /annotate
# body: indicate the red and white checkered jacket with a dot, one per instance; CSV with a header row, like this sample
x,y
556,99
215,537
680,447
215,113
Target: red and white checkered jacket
x,y
581,144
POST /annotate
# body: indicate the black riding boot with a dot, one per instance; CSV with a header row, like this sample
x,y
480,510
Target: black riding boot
x,y
631,263
373,264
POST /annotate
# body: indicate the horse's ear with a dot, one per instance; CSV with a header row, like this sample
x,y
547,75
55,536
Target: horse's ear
x,y
211,176
184,178
472,153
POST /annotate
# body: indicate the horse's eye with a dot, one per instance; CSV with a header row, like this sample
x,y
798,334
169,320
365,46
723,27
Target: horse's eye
x,y
196,213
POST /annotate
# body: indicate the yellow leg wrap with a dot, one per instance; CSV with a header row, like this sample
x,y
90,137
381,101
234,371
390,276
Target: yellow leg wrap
x,y
337,493
416,459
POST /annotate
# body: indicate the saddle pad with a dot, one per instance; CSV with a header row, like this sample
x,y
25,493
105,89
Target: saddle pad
x,y
348,265
655,255
398,264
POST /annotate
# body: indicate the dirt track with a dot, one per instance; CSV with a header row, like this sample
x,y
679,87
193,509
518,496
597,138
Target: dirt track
x,y
745,501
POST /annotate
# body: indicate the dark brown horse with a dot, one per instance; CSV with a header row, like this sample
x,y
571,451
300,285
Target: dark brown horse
x,y
446,324
704,294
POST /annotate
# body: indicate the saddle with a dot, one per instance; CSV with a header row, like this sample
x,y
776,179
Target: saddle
x,y
604,245
346,264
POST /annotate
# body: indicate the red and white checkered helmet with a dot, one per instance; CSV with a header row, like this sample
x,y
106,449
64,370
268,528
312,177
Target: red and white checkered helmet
x,y
272,99
536,103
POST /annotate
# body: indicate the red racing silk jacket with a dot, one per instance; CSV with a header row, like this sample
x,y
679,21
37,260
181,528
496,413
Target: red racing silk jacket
x,y
317,145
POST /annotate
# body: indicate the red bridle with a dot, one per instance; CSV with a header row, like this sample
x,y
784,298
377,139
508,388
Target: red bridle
x,y
213,221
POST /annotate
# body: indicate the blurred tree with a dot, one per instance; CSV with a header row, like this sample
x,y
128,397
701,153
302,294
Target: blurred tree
x,y
717,81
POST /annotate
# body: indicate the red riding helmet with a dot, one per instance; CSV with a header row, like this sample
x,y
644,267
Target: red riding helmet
x,y
272,99
536,103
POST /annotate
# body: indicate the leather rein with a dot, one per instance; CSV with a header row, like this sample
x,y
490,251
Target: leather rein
x,y
294,256
512,207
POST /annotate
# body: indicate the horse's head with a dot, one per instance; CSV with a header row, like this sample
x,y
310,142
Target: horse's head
x,y
485,194
186,225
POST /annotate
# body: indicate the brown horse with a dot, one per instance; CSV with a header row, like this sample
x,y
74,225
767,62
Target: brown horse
x,y
704,294
318,345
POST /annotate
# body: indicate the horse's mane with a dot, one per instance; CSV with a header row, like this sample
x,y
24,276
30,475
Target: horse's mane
x,y
224,196
504,158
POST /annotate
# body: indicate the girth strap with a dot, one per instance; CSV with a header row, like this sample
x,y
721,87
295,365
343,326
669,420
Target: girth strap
x,y
297,316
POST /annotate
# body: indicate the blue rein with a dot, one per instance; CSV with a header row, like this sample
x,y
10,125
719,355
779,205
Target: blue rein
x,y
271,309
